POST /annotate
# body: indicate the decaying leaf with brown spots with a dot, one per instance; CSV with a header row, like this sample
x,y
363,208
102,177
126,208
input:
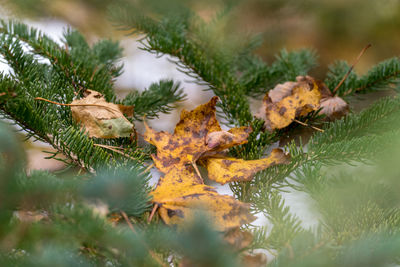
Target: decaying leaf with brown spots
x,y
197,132
100,118
225,170
181,194
287,101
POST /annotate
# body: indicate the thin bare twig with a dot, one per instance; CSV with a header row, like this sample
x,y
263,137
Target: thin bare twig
x,y
76,105
115,150
152,213
308,125
351,68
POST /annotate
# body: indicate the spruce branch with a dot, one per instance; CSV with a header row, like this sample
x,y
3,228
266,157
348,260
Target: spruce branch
x,y
32,78
178,37
379,77
78,66
160,97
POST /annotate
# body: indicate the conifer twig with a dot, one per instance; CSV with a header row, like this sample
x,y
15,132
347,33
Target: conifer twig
x,y
308,125
153,255
115,150
351,68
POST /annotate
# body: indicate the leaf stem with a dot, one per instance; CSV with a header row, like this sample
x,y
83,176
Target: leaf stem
x,y
351,68
115,150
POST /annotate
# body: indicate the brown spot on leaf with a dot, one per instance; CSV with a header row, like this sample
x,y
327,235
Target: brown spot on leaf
x,y
226,162
172,213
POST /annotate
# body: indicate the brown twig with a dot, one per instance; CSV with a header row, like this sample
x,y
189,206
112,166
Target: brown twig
x,y
351,68
128,221
153,255
308,125
76,105
115,150
1,94
152,213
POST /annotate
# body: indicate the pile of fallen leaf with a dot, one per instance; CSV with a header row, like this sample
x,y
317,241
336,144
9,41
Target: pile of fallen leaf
x,y
199,139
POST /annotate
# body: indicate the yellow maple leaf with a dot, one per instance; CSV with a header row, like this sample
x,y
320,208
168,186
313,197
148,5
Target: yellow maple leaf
x,y
180,193
287,101
194,135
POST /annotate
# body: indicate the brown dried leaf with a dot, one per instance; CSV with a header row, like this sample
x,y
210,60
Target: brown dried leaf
x,y
100,118
290,100
224,170
238,239
287,101
334,107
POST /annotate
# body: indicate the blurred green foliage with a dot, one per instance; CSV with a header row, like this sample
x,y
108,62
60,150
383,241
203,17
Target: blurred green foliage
x,y
336,29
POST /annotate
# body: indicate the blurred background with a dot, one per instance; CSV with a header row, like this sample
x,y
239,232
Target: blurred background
x,y
336,30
